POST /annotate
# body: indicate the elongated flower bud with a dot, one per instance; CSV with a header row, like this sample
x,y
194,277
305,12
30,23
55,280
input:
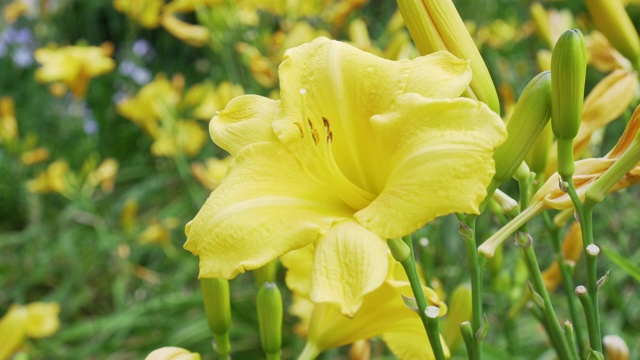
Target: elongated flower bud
x,y
614,22
568,72
435,25
217,308
530,115
539,153
269,306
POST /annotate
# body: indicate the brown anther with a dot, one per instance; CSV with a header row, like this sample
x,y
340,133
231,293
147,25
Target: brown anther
x,y
300,129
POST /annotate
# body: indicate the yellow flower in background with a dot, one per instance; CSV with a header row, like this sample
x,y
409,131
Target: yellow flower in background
x,y
207,99
359,149
53,179
211,173
261,67
383,312
587,171
602,55
172,353
104,175
153,101
35,320
158,108
74,66
184,136
194,35
14,10
35,156
8,123
144,12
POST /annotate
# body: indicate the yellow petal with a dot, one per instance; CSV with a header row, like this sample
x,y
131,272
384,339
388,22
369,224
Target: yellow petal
x,y
343,88
194,35
265,207
298,262
43,319
404,344
12,330
350,261
246,120
172,353
437,147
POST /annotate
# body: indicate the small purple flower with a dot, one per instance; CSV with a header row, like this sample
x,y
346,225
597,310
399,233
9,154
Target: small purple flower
x,y
22,57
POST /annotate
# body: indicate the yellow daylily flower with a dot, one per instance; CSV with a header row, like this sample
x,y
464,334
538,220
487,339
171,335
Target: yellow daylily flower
x,y
14,10
207,99
587,171
383,312
104,175
211,173
359,149
144,12
602,55
186,137
194,35
35,320
54,179
35,156
172,353
8,123
74,65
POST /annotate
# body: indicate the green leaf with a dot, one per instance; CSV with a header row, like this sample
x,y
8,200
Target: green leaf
x,y
623,263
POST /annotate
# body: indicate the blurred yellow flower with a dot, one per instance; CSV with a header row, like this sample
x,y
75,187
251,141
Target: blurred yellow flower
x,y
104,175
383,312
144,12
158,108
602,55
207,99
342,161
158,232
8,124
35,320
74,65
14,10
53,179
211,173
194,35
172,353
35,156
184,136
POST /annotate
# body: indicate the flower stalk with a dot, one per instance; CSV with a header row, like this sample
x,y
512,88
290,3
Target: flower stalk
x,y
428,314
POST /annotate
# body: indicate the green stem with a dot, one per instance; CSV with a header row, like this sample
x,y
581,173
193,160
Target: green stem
x,y
585,215
468,232
273,356
567,281
555,331
591,256
429,321
222,345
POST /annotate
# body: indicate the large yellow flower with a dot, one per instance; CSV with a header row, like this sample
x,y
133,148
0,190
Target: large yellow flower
x,y
359,149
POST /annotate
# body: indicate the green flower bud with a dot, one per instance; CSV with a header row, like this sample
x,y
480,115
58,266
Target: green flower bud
x,y
538,155
269,306
614,22
399,250
217,307
531,114
568,72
